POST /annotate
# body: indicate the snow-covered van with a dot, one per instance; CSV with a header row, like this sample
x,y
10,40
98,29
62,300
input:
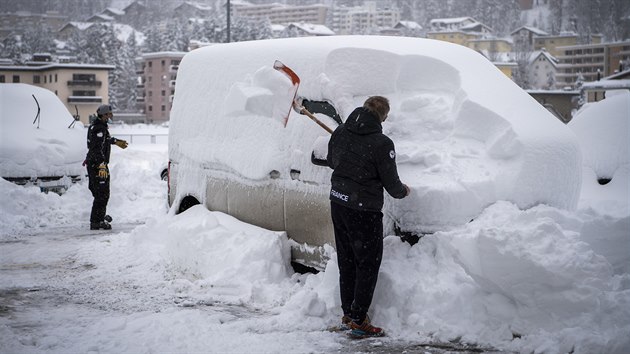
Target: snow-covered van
x,y
41,142
466,136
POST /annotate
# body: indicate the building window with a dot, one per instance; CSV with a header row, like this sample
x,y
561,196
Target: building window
x,y
150,64
163,92
50,78
150,108
163,108
2,79
83,77
45,78
55,77
16,79
150,93
36,79
163,63
84,93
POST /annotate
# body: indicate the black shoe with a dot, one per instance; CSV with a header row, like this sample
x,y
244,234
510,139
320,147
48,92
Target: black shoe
x,y
108,218
100,226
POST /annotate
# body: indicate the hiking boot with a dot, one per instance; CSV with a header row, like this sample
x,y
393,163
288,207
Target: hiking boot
x,y
108,218
344,326
345,323
365,329
100,226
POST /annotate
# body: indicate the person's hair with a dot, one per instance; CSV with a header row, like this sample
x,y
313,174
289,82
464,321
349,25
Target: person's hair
x,y
377,105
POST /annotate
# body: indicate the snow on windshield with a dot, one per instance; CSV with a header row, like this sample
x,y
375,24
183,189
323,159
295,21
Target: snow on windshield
x,y
53,149
466,135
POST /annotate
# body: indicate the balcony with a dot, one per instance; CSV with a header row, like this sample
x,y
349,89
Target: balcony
x,y
171,84
140,100
173,68
85,99
85,83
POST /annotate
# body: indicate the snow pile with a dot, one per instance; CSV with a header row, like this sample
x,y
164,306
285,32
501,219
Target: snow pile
x,y
604,134
466,135
136,189
25,150
558,279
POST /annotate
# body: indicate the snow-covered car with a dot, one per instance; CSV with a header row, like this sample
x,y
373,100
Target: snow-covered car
x,y
42,143
466,136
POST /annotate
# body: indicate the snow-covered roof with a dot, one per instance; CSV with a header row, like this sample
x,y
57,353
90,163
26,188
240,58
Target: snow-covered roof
x,y
101,17
452,20
408,24
163,54
115,11
51,65
198,6
550,58
313,29
81,26
534,30
475,25
623,74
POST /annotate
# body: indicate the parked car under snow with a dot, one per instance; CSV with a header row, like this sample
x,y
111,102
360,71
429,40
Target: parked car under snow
x,y
41,142
466,135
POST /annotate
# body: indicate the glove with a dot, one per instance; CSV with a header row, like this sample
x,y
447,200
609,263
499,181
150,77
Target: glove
x,y
102,171
121,143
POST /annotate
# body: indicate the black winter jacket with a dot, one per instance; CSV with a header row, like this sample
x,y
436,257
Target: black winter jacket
x,y
364,161
99,143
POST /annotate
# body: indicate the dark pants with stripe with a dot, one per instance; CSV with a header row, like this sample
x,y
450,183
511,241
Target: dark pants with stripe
x,y
359,241
100,191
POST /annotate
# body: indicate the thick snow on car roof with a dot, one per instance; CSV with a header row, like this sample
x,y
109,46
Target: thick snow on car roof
x,y
53,149
466,135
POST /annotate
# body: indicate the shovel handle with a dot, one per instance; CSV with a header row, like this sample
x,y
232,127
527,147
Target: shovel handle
x,y
305,111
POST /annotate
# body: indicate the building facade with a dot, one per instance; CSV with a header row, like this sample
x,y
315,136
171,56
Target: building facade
x,y
156,88
591,62
551,43
282,14
362,19
81,87
541,70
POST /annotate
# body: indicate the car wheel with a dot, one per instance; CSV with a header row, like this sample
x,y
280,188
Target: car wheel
x,y
187,203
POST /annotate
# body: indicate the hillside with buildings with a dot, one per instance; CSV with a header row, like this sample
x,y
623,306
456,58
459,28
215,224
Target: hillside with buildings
x,y
126,52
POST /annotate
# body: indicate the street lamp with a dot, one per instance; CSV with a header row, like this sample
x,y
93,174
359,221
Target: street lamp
x,y
228,21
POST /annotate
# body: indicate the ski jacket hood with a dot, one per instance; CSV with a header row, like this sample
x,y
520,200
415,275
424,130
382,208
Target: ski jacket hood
x,y
361,121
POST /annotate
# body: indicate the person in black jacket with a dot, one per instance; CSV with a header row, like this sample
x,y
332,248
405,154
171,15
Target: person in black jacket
x,y
99,144
364,162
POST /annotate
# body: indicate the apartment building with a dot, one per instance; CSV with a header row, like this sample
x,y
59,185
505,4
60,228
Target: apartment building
x,y
551,43
361,19
282,14
81,87
459,30
158,72
591,62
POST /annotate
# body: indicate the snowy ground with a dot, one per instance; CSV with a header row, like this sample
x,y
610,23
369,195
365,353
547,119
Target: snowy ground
x,y
204,282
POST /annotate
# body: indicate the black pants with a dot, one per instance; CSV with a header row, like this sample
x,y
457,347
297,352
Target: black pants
x,y
359,241
100,191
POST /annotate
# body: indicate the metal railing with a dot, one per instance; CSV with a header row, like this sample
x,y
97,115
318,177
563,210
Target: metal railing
x,y
143,138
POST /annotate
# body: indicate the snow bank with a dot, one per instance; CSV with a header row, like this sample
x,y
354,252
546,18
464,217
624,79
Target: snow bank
x,y
466,135
25,150
604,134
199,280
